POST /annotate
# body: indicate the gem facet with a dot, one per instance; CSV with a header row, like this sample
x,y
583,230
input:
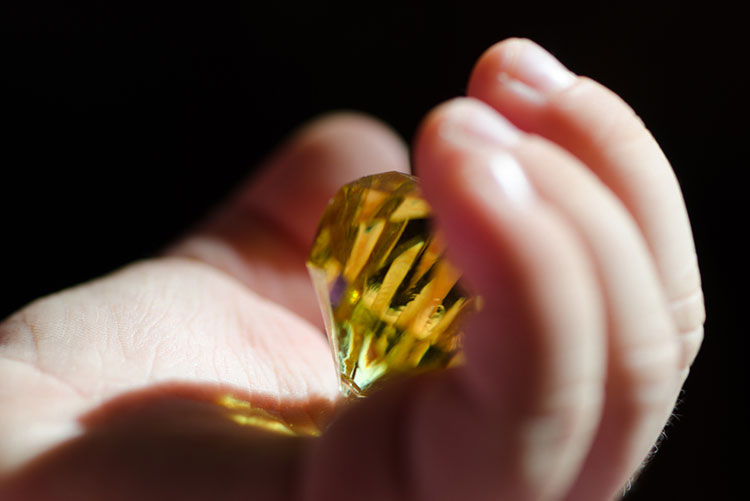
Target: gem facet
x,y
391,301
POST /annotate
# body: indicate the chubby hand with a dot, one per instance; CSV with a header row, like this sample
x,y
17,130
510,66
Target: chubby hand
x,y
562,212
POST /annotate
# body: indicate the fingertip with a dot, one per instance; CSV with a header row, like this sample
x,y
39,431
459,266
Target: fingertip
x,y
462,126
520,60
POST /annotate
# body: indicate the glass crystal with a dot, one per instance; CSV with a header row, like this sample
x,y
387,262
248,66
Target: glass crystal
x,y
391,302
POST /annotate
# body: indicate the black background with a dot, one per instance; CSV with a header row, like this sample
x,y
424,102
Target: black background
x,y
124,123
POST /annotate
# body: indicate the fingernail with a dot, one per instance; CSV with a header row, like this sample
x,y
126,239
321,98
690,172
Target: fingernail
x,y
521,90
471,124
502,180
538,69
485,139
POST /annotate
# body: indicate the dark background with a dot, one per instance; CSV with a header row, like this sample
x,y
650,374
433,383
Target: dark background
x,y
124,123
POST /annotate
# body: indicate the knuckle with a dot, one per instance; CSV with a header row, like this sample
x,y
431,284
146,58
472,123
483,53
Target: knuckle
x,y
689,312
653,372
691,343
689,315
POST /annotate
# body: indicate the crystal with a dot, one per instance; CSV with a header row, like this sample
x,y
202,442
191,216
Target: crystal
x,y
391,301
291,421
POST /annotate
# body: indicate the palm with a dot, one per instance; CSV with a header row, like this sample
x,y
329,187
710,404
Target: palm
x,y
155,356
190,324
177,328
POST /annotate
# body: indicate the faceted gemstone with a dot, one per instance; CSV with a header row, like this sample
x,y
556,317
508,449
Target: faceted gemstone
x,y
391,301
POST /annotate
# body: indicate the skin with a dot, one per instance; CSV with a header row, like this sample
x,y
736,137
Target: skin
x,y
562,212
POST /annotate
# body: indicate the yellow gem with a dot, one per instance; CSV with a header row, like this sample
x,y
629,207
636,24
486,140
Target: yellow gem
x,y
391,302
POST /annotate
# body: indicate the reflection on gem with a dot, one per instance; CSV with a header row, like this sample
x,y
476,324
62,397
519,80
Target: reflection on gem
x,y
244,413
391,303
